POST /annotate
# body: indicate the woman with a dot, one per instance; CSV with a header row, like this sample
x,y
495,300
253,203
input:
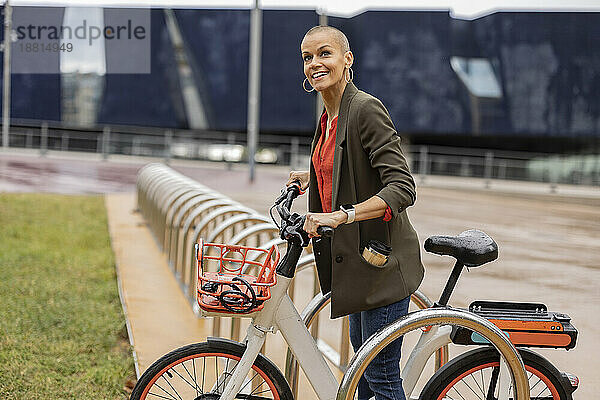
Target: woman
x,y
357,165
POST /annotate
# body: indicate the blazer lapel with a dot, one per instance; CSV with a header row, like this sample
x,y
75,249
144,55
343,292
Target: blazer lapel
x,y
340,137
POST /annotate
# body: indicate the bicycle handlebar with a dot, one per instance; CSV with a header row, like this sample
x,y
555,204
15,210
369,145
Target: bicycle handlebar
x,y
292,223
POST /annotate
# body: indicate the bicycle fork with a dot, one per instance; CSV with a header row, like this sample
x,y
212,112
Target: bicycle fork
x,y
234,378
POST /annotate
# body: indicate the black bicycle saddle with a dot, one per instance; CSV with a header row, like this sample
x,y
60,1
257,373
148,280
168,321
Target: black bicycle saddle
x,y
473,248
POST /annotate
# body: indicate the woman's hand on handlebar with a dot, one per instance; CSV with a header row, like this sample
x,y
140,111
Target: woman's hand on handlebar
x,y
301,176
315,220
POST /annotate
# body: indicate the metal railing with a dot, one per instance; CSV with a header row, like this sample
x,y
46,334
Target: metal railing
x,y
578,169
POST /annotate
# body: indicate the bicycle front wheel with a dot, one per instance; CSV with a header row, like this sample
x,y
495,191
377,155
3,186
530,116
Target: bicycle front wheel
x,y
200,372
474,374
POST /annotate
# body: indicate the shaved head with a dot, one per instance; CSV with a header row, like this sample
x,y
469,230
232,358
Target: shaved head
x,y
337,35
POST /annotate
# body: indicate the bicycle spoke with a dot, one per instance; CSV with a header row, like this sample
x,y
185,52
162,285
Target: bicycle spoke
x,y
203,372
476,375
481,374
458,393
182,378
226,374
169,383
249,381
251,397
159,396
469,386
195,380
166,392
477,383
254,391
531,387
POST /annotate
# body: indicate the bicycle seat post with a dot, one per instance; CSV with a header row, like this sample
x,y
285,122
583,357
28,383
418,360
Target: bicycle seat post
x,y
456,271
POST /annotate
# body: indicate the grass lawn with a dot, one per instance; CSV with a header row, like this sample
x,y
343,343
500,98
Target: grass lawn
x,y
62,330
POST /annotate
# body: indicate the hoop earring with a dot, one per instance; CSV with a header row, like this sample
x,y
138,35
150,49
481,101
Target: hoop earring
x,y
304,86
351,75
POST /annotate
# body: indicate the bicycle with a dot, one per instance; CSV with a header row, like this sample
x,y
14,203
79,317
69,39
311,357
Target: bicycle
x,y
224,369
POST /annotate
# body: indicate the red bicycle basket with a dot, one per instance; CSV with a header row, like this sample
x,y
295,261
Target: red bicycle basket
x,y
220,267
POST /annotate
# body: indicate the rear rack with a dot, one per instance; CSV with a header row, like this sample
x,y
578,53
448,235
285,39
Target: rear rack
x,y
526,325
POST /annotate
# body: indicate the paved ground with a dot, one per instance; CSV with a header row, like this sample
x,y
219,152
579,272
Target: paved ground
x,y
549,243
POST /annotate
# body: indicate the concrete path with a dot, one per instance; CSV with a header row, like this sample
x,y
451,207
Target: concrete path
x,y
159,316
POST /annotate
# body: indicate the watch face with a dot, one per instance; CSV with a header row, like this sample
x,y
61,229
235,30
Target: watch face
x,y
347,207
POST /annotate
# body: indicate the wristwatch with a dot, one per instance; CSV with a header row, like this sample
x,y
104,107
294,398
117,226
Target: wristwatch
x,y
350,212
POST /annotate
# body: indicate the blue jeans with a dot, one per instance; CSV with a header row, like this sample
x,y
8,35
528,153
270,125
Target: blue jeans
x,y
382,377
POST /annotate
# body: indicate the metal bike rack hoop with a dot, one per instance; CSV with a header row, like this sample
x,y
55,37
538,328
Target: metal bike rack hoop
x,y
423,318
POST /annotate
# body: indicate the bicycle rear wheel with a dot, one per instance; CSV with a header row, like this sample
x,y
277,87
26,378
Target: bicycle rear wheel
x,y
473,375
200,372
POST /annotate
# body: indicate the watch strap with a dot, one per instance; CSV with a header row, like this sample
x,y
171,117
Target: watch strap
x,y
350,212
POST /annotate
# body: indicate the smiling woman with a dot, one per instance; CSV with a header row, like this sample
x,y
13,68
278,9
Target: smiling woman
x,y
359,183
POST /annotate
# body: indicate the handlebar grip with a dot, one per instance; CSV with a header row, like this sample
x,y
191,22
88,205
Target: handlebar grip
x,y
325,231
296,185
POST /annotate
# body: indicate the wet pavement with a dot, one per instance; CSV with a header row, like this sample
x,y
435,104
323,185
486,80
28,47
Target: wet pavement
x,y
67,175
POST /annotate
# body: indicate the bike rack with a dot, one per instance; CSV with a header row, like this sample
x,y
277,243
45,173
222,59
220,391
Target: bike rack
x,y
231,225
179,209
197,212
173,210
428,317
175,228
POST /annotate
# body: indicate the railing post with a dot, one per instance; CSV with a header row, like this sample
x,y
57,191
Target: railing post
x,y
464,167
235,329
294,153
168,143
345,343
230,142
135,146
105,142
488,169
29,139
502,170
64,142
216,331
44,139
423,161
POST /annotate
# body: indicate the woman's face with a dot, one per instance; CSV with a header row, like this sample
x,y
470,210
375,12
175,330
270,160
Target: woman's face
x,y
324,60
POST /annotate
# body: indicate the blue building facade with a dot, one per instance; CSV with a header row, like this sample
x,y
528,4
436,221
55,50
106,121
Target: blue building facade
x,y
546,65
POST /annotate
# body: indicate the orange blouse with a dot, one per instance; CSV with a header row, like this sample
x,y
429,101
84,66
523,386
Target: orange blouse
x,y
322,160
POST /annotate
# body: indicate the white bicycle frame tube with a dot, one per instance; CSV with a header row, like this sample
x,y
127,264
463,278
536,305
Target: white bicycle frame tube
x,y
305,350
280,313
428,344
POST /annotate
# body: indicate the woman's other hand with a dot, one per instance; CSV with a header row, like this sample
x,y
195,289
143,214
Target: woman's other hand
x,y
314,220
302,176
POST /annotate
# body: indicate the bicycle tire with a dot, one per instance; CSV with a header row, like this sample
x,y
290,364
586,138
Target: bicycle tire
x,y
465,377
187,373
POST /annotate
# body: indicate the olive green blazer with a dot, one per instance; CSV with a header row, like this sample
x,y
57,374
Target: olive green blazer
x,y
367,161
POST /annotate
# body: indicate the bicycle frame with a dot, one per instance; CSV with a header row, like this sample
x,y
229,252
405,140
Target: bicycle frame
x,y
279,313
